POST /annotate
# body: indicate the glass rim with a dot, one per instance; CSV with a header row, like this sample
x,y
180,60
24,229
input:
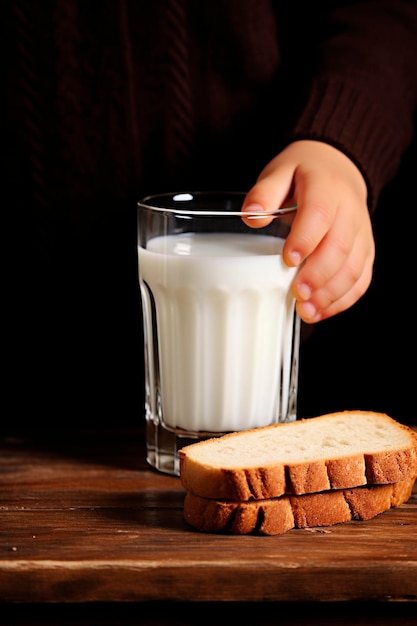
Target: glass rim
x,y
148,203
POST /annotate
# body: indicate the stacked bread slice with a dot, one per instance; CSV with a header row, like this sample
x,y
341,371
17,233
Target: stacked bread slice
x,y
314,472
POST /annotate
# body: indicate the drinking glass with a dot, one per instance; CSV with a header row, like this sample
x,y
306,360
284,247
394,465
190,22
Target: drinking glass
x,y
221,335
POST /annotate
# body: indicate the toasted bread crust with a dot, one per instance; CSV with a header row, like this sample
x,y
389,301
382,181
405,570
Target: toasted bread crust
x,y
273,480
277,516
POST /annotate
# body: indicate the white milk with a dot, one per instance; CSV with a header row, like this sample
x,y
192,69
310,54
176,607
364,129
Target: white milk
x,y
224,324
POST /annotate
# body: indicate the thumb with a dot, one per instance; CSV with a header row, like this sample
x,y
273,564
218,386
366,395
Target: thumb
x,y
269,193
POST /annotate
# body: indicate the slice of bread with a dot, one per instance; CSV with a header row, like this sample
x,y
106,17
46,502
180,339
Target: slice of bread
x,y
278,515
334,451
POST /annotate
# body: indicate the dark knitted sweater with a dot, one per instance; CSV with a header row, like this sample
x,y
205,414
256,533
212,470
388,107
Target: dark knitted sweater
x,y
121,96
106,101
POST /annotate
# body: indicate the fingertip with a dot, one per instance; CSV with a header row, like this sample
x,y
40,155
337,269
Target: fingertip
x,y
308,312
255,221
293,258
253,207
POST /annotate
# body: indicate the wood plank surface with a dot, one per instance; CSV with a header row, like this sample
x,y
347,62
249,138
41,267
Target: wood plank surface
x,y
83,519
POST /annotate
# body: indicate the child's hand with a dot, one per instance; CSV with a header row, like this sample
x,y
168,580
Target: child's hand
x,y
332,230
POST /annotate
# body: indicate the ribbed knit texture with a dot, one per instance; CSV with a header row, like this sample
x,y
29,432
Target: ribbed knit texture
x,y
114,97
178,124
361,97
339,114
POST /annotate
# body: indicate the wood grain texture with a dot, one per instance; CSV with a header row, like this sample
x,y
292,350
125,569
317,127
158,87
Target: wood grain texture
x,y
83,519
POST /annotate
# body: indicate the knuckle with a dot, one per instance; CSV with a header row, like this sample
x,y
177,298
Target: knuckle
x,y
322,211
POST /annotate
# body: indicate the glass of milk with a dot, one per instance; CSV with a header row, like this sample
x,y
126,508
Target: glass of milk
x,y
221,336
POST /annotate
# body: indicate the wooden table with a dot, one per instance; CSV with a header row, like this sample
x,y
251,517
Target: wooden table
x,y
84,522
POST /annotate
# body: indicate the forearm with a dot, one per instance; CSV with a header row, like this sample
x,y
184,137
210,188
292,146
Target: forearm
x,y
363,88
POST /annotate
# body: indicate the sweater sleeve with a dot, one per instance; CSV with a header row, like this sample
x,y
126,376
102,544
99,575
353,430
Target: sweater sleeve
x,y
362,93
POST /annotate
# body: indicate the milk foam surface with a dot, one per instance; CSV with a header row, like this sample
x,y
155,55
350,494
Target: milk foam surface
x,y
224,319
